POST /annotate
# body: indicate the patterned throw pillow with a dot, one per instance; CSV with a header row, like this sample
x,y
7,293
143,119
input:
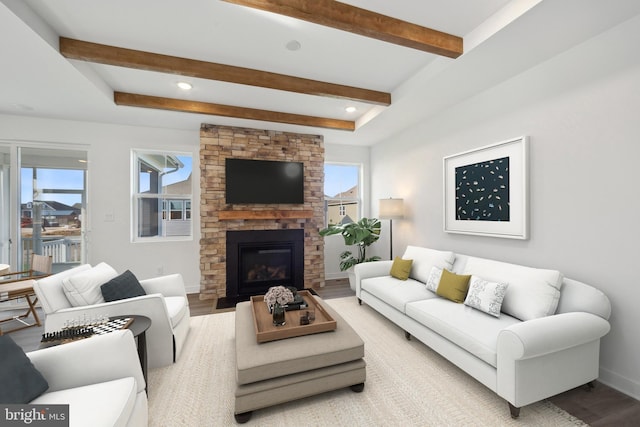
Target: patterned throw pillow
x,y
434,279
486,296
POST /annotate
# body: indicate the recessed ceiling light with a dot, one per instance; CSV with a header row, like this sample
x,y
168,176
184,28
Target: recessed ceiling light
x,y
184,85
350,109
293,45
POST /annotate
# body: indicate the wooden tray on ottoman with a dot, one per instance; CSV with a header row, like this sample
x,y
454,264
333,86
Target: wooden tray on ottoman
x,y
266,331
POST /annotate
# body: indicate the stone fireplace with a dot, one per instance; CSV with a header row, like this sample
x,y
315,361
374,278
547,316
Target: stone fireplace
x,y
259,259
218,219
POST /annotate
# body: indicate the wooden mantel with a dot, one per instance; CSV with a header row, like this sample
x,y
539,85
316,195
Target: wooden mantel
x,y
266,214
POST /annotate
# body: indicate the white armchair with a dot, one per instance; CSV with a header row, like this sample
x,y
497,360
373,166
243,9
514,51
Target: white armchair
x,y
165,304
99,378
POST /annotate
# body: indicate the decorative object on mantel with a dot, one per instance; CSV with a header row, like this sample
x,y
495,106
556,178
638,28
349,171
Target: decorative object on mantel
x,y
391,209
362,234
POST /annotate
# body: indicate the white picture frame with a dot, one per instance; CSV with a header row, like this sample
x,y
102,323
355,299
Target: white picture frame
x,y
476,184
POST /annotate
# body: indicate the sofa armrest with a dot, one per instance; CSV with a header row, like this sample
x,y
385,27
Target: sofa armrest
x,y
542,357
159,335
171,285
550,334
90,361
367,270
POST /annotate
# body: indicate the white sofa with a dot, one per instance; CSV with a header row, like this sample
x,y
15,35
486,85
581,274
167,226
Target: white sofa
x,y
545,341
165,303
100,378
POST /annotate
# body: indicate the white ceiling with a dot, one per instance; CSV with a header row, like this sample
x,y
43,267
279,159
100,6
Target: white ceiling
x,y
502,38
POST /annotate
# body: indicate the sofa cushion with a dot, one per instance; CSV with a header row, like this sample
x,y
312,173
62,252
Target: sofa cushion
x,y
84,288
50,290
453,286
466,327
486,296
105,404
401,268
424,259
123,286
21,381
532,292
396,292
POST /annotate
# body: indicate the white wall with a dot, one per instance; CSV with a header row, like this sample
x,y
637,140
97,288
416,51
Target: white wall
x,y
580,110
109,186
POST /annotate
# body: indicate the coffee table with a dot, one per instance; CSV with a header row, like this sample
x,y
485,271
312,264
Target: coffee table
x,y
280,371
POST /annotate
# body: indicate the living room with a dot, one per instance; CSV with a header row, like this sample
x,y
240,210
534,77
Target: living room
x,y
571,88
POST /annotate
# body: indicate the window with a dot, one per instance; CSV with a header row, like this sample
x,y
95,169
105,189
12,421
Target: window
x,y
162,192
342,192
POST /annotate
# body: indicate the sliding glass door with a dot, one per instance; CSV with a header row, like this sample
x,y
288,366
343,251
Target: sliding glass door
x,y
43,203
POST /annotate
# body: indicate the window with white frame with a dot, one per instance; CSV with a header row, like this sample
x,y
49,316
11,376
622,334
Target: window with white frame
x,y
342,190
162,193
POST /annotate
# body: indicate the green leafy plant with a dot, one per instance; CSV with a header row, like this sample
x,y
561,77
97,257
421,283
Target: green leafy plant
x,y
362,234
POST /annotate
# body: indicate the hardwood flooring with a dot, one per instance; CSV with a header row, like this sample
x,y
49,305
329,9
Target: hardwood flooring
x,y
602,406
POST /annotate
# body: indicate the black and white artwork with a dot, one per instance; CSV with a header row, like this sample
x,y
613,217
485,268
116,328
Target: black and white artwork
x,y
485,190
482,191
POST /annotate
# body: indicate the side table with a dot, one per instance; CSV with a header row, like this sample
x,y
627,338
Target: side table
x,y
139,328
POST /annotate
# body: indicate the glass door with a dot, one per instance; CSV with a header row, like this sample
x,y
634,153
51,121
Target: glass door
x,y
52,205
5,210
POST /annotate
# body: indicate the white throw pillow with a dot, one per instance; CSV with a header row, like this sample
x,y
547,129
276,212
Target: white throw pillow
x,y
532,293
434,279
486,296
84,288
424,259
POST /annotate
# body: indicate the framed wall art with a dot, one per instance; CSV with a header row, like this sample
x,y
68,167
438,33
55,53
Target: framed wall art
x,y
486,190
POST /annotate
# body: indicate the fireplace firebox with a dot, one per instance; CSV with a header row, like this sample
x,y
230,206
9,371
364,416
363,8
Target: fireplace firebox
x,y
259,259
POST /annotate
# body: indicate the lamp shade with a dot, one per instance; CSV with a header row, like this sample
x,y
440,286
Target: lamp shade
x,y
391,209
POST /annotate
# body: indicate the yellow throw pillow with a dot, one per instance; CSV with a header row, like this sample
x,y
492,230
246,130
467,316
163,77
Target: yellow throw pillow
x,y
453,286
401,268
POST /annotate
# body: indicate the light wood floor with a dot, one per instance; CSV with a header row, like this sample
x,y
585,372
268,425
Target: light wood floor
x,y
600,407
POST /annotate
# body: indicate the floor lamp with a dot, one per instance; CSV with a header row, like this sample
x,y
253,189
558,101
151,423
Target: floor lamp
x,y
391,209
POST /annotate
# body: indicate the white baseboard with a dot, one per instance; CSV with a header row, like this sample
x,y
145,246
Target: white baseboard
x,y
620,383
193,289
334,276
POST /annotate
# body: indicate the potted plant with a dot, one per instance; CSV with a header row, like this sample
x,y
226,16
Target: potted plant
x,y
362,234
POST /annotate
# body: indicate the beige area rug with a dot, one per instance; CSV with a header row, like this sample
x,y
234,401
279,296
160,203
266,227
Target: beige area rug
x,y
407,385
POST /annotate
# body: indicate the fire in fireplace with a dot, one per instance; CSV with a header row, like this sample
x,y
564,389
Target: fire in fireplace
x,y
259,259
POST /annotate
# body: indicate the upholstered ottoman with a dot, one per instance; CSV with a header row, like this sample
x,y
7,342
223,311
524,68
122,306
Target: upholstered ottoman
x,y
284,370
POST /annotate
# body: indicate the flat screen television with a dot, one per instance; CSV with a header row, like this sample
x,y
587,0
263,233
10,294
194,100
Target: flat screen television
x,y
264,181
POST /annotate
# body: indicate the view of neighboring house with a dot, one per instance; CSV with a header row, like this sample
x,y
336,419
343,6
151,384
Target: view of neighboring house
x,y
54,214
176,214
343,207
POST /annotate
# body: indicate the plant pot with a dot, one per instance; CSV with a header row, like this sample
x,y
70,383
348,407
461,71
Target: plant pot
x,y
352,279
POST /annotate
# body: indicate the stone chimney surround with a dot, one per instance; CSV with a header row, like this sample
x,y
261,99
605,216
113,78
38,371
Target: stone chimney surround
x,y
216,217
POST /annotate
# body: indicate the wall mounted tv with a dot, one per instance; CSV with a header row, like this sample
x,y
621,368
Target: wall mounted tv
x,y
264,181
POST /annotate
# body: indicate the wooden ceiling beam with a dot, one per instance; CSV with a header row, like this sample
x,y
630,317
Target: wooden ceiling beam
x,y
110,55
349,18
161,103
